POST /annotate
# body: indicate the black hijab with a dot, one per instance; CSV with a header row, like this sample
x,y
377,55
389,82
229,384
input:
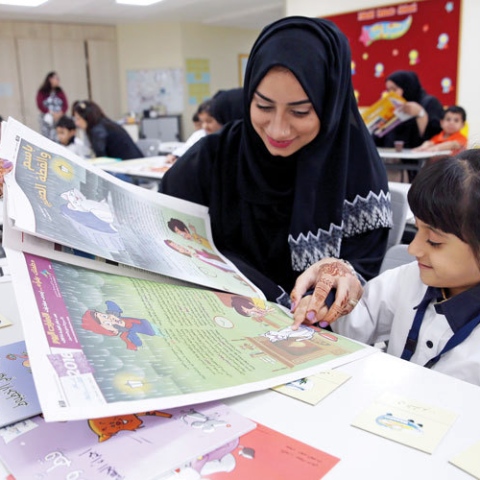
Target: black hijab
x,y
410,84
227,105
340,182
408,131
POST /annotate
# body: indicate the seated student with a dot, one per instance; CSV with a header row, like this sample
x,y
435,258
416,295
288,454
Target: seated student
x,y
66,134
429,310
107,138
450,138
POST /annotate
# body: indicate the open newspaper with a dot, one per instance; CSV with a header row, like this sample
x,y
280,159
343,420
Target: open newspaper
x,y
104,339
385,114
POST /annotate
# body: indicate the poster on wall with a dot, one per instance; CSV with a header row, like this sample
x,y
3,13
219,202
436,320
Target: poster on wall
x,y
160,89
198,80
419,36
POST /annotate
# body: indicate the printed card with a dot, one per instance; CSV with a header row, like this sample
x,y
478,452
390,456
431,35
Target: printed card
x,y
4,321
468,460
406,421
314,388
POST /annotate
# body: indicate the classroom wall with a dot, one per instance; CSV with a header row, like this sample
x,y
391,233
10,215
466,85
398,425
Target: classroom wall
x,y
468,67
169,45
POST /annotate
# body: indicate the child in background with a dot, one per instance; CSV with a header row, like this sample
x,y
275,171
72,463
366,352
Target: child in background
x,y
450,138
66,134
428,310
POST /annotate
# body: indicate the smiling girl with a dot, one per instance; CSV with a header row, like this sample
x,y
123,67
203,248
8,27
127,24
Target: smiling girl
x,y
429,310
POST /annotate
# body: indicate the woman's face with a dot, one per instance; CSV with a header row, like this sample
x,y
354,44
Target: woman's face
x,y
282,114
54,81
393,87
209,124
79,121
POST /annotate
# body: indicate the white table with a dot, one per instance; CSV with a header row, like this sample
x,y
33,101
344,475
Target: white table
x,y
390,156
364,455
327,425
152,168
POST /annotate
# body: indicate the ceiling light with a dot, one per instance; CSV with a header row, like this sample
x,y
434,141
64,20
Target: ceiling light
x,y
143,3
23,3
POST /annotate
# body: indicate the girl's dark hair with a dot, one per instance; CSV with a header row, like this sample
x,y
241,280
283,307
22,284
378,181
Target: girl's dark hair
x,y
93,115
89,111
46,87
446,195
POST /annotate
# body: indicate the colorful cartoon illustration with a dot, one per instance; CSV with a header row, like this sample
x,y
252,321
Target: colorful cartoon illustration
x,y
413,57
255,308
111,323
23,357
302,384
400,424
93,214
303,333
108,427
384,31
443,40
188,233
379,69
206,257
446,84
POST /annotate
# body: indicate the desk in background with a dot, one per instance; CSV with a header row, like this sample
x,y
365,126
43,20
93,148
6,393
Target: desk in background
x,y
151,168
417,159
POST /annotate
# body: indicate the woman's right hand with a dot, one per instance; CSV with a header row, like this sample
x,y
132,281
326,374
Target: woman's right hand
x,y
323,276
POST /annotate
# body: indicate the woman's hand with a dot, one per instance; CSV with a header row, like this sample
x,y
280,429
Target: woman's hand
x,y
323,276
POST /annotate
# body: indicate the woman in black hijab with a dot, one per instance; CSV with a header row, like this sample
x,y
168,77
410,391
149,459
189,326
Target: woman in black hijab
x,y
299,179
227,105
427,111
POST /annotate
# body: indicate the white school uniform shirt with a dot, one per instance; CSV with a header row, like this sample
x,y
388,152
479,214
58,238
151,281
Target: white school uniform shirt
x,y
191,140
386,312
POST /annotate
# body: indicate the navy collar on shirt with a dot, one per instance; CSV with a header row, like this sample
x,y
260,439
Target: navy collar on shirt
x,y
459,309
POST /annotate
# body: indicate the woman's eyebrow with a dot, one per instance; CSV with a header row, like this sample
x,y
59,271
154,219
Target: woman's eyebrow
x,y
299,102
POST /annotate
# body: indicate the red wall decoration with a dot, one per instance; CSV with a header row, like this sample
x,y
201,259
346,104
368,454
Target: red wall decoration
x,y
418,36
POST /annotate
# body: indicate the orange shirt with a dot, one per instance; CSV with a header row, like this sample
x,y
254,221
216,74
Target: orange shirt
x,y
456,137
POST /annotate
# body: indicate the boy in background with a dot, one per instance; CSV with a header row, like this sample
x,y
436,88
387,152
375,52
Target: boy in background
x,y
450,138
66,134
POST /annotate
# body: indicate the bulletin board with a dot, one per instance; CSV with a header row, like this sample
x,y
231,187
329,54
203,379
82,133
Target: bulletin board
x,y
418,36
155,87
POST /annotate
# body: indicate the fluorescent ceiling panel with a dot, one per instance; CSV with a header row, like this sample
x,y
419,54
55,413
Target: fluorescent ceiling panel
x,y
23,3
138,2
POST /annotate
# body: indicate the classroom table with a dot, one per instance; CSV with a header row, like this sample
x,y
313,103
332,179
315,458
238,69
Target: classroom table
x,y
364,455
151,168
327,425
393,158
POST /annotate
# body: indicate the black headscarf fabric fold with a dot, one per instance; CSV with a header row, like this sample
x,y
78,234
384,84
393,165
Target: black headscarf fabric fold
x,y
279,214
227,105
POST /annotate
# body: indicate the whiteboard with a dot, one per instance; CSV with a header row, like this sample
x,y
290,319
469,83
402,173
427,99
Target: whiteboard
x,y
155,87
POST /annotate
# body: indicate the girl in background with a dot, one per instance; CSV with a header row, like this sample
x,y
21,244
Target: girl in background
x,y
52,103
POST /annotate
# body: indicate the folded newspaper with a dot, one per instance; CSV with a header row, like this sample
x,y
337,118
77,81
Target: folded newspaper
x,y
126,304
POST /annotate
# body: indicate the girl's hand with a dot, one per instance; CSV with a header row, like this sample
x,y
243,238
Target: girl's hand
x,y
323,276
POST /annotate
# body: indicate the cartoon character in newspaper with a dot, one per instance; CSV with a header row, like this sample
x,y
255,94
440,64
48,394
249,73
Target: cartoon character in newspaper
x,y
91,213
188,233
206,257
255,308
111,323
108,427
